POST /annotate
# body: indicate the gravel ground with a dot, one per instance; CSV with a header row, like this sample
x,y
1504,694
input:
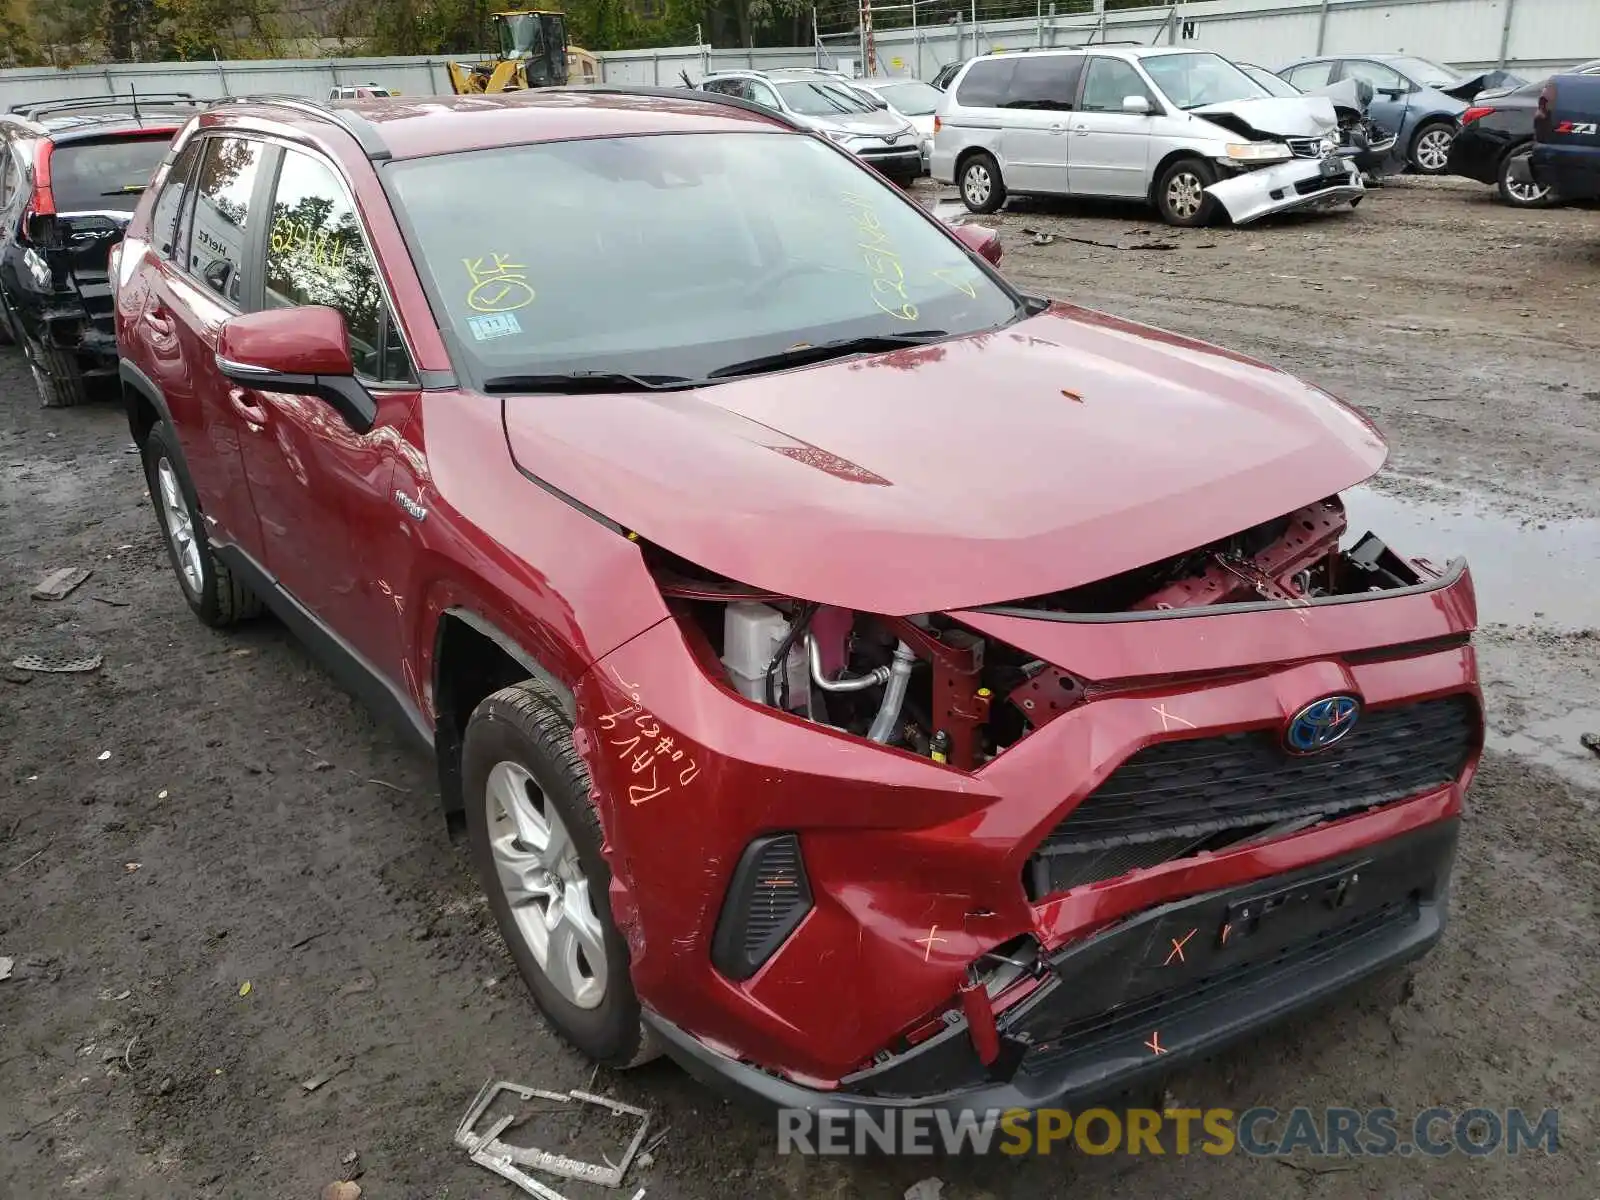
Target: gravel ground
x,y
206,810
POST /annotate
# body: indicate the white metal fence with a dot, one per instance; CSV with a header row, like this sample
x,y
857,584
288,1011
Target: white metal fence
x,y
1522,34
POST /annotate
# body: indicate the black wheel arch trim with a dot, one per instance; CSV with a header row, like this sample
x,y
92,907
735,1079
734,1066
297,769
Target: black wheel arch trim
x,y
513,648
135,379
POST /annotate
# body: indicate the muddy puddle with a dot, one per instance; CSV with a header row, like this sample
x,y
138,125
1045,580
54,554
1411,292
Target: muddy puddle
x,y
1527,572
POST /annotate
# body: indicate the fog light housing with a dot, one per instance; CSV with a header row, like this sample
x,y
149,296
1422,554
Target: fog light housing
x,y
768,896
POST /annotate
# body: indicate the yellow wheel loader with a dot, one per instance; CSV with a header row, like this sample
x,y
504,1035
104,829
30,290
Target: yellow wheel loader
x,y
533,53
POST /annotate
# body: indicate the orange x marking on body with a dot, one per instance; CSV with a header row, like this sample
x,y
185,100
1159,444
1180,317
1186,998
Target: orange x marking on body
x,y
1226,929
928,942
1154,1044
1177,948
1161,711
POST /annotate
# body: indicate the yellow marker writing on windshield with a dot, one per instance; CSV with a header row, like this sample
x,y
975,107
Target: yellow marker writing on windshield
x,y
498,285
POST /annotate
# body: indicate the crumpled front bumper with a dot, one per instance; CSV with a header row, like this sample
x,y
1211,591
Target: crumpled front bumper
x,y
1301,183
915,870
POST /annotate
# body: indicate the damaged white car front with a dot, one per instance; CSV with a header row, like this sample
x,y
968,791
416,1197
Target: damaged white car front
x,y
1279,154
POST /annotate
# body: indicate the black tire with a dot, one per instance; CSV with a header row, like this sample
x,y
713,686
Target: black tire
x,y
982,189
1431,143
1517,195
57,376
1172,206
525,725
221,599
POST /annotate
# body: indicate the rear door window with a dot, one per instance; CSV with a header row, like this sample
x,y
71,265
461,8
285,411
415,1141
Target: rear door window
x,y
986,83
1047,82
221,214
104,174
1311,75
169,202
316,254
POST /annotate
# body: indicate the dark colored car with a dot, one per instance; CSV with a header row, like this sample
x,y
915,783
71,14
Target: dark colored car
x,y
852,742
1566,135
71,172
1368,144
1497,133
1414,98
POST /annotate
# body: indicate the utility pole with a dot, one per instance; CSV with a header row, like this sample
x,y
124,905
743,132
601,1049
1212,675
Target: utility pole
x,y
869,51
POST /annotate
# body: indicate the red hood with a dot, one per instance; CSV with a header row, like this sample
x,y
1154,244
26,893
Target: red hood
x,y
1054,453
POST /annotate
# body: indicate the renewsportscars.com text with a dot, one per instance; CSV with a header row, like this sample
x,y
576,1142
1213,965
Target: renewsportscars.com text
x,y
1259,1132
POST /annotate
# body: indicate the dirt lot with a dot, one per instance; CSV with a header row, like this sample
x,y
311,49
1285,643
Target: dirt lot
x,y
208,810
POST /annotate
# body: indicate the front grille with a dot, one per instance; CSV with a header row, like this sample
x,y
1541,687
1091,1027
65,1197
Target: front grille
x,y
1163,1007
1320,184
1304,147
1199,786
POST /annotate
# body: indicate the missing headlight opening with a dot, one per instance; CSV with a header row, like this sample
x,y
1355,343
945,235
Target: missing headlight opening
x,y
930,685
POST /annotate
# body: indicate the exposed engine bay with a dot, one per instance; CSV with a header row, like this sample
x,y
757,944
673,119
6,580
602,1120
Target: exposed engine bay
x,y
930,685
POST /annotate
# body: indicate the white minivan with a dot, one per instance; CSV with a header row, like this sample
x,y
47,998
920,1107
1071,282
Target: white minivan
x,y
1185,130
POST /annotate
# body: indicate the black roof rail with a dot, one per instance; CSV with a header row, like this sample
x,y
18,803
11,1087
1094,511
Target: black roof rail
x,y
352,122
33,109
674,93
1089,45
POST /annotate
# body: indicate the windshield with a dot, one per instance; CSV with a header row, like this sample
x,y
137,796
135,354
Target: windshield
x,y
913,98
815,99
1193,79
677,254
104,176
1428,74
1273,84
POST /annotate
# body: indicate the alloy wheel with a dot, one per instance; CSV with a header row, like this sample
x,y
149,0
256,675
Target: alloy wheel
x,y
1524,193
1185,194
977,185
1433,148
180,529
537,865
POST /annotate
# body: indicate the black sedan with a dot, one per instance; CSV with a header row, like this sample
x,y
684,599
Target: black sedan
x,y
1497,131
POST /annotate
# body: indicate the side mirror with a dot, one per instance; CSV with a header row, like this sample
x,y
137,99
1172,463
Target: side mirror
x,y
302,351
216,274
980,240
877,101
1138,105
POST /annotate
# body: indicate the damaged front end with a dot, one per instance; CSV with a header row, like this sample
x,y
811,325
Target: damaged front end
x,y
1294,158
1041,848
1361,139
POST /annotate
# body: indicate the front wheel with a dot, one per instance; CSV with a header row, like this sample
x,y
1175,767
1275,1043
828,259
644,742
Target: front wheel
x,y
982,189
1181,193
535,839
1521,195
1430,149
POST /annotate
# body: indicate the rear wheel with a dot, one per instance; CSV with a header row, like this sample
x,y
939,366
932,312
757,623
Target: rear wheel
x,y
1180,193
982,190
210,588
56,374
1430,149
1521,195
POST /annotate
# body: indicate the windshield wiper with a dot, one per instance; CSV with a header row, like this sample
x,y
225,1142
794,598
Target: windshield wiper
x,y
796,356
587,381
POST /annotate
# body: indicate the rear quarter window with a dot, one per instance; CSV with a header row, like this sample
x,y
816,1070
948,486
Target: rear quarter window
x,y
986,84
104,174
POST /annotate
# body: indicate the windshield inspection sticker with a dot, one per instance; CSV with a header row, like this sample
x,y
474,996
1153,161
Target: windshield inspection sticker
x,y
493,325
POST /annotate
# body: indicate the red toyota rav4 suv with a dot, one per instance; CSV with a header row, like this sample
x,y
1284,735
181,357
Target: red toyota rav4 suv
x,y
861,680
